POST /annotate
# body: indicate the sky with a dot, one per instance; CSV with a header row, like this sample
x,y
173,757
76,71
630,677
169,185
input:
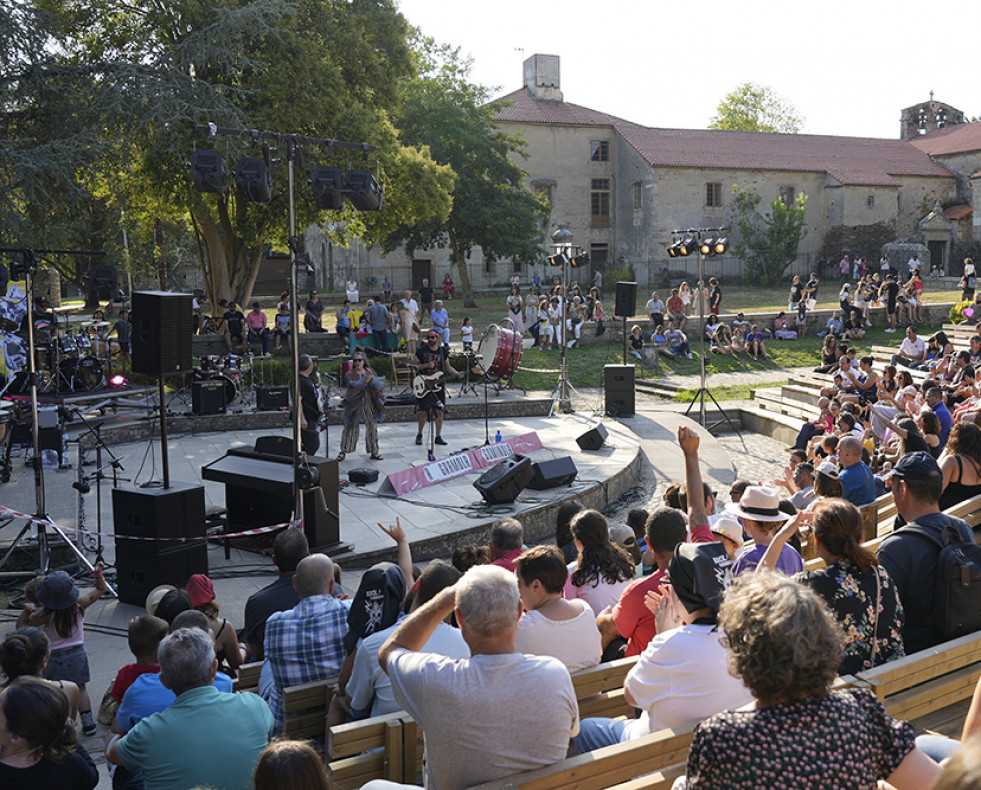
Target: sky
x,y
848,67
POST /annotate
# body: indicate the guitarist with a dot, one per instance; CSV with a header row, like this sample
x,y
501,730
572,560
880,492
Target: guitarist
x,y
433,358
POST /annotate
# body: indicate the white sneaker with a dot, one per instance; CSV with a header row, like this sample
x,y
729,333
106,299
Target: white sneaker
x,y
890,331
867,322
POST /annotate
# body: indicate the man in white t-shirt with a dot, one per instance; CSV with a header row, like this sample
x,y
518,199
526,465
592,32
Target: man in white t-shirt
x,y
495,714
411,305
912,352
369,686
914,262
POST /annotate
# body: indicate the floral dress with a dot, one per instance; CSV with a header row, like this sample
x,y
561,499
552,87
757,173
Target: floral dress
x,y
845,740
851,597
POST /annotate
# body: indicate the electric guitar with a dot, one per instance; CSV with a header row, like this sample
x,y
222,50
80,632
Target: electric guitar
x,y
422,383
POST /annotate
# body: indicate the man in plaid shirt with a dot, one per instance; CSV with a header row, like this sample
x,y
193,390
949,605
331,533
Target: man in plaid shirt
x,y
306,643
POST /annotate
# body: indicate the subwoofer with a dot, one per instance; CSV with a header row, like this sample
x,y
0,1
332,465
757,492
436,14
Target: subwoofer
x,y
501,484
552,474
593,438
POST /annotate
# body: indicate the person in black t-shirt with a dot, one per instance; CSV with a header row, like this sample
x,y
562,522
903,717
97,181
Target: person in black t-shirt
x,y
715,300
889,293
234,326
426,298
432,358
310,408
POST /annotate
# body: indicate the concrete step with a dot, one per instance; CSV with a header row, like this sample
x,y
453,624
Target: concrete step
x,y
660,389
808,396
773,400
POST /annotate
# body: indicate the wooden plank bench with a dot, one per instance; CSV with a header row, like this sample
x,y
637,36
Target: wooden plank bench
x,y
305,709
599,689
360,751
248,677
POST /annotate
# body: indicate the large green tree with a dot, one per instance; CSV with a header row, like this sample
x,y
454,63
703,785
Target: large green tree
x,y
492,207
766,242
322,68
756,108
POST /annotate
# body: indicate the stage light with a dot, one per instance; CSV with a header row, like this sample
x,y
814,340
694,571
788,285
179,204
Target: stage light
x,y
687,247
673,249
721,245
254,180
557,260
118,380
328,185
208,171
707,247
364,192
582,259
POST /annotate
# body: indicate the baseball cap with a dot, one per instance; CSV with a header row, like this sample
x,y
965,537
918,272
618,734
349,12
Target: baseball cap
x,y
916,466
730,528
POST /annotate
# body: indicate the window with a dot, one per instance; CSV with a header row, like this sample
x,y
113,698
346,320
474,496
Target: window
x,y
545,190
713,195
788,195
599,198
638,195
870,201
599,151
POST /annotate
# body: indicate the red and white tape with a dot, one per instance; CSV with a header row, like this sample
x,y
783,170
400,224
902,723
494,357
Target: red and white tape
x,y
222,536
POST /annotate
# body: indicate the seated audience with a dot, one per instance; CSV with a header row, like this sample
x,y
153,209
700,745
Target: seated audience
x,y
290,765
551,625
602,570
507,542
857,485
289,547
143,636
759,512
25,653
202,593
785,646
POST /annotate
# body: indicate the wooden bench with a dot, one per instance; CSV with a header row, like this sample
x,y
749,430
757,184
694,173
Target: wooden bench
x,y
599,689
248,677
305,709
373,748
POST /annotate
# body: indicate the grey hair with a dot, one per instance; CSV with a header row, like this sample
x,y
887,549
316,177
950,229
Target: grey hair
x,y
186,657
507,534
305,361
488,600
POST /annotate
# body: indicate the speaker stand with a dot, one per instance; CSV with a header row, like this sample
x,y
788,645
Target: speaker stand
x,y
700,393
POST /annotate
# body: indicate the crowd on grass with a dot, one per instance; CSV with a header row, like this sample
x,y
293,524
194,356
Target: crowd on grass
x,y
728,626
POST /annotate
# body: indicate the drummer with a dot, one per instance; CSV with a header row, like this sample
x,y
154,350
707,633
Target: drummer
x,y
433,357
123,330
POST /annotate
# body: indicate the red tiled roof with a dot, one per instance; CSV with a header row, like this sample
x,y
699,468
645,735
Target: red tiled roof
x,y
958,212
957,139
851,160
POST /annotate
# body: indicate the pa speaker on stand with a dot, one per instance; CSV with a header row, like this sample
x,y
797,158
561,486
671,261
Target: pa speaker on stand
x,y
501,484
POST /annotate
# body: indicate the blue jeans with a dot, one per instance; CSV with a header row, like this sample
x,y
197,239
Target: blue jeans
x,y
264,334
936,747
596,733
381,340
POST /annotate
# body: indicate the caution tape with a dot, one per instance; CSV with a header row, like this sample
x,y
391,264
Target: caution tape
x,y
222,536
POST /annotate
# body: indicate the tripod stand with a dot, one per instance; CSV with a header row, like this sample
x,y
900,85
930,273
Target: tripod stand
x,y
471,361
40,521
83,485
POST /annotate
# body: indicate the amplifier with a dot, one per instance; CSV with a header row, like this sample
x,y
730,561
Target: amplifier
x,y
208,397
272,398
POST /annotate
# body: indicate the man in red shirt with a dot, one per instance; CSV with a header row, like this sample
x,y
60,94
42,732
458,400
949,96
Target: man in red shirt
x,y
507,542
676,309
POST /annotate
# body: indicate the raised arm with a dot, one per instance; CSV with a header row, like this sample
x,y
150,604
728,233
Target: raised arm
x,y
397,533
697,517
416,629
772,553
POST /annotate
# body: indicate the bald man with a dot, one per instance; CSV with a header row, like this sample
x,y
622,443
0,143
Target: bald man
x,y
306,643
857,482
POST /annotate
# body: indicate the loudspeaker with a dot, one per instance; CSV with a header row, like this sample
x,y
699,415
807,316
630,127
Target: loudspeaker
x,y
593,438
554,473
208,397
501,484
626,303
166,515
161,333
618,386
272,398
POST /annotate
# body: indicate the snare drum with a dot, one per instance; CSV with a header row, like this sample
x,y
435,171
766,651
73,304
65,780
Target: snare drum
x,y
212,362
233,363
83,342
67,344
503,347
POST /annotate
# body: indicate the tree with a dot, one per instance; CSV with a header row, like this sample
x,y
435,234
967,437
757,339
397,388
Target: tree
x,y
767,243
323,68
492,207
756,108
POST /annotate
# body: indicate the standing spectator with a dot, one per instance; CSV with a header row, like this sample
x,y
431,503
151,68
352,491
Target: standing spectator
x,y
377,315
206,738
715,300
307,642
528,707
845,266
411,304
410,327
889,292
441,321
968,281
289,547
124,330
676,309
885,268
313,321
655,310
796,293
281,327
448,286
426,293
344,321
910,553
811,291
598,282
515,309
914,262
258,326
531,317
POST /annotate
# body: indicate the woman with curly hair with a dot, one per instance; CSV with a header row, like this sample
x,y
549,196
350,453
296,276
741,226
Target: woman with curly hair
x,y
602,570
858,591
37,742
785,646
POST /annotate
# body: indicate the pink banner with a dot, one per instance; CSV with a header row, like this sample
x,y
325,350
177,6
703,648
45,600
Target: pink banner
x,y
418,477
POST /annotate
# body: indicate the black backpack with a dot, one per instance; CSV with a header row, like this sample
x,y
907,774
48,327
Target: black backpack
x,y
957,584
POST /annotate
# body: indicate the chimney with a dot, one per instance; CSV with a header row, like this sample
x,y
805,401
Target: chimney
x,y
542,77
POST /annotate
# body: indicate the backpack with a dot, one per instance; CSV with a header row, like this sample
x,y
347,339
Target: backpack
x,y
957,584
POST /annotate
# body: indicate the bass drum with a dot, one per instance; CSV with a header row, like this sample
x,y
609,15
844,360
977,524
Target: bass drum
x,y
503,348
84,374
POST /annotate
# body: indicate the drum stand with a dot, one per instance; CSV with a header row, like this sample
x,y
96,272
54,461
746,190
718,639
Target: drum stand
x,y
468,385
83,484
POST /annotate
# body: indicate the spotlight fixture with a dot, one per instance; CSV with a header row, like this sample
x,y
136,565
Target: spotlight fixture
x,y
707,247
254,180
208,171
673,249
582,259
687,247
328,186
557,260
721,245
118,380
364,191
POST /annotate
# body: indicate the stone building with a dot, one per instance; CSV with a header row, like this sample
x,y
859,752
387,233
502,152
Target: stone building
x,y
621,188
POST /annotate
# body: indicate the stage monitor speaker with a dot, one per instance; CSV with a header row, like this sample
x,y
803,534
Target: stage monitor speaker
x,y
626,303
161,339
554,473
620,404
208,397
271,398
501,484
170,516
593,438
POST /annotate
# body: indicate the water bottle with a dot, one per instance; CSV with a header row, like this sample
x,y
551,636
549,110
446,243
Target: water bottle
x,y
497,439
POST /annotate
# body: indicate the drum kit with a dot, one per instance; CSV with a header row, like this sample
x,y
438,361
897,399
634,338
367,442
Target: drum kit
x,y
236,373
71,362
